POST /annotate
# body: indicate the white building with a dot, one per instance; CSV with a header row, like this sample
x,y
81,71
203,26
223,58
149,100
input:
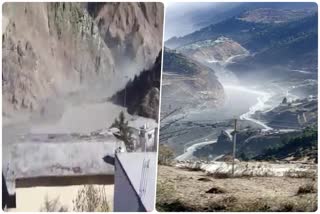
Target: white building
x,y
135,181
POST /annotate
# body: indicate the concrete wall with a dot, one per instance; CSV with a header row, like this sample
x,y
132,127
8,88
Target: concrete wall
x,y
126,198
31,193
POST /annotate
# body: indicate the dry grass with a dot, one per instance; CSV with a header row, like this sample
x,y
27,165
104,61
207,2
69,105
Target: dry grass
x,y
187,192
91,199
53,205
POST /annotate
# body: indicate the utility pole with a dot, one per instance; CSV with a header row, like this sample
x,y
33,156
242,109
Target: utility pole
x,y
234,144
125,96
125,93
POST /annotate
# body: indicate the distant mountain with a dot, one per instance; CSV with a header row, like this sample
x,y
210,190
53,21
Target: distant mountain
x,y
275,16
292,45
185,19
288,42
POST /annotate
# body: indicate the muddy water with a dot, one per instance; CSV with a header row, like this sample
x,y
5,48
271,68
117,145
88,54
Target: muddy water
x,y
239,100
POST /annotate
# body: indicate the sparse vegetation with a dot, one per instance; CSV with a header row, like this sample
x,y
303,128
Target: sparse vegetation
x,y
303,145
125,132
53,205
91,199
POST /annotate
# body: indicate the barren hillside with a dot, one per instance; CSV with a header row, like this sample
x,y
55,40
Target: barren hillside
x,y
52,49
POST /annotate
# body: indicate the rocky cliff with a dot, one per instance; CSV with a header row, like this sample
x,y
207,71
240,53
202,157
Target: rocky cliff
x,y
52,49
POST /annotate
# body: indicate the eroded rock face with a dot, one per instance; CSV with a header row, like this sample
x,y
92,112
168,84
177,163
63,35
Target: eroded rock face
x,y
52,49
55,48
131,30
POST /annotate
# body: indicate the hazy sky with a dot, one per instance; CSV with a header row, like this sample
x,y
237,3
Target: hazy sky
x,y
182,17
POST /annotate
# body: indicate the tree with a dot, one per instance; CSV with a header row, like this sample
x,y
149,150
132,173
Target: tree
x,y
125,132
165,155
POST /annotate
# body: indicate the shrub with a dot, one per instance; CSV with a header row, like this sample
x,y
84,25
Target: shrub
x,y
307,188
53,206
125,132
286,207
91,199
216,190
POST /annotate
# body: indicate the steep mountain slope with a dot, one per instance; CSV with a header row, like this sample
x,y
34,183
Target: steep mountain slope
x,y
187,83
43,52
59,48
133,31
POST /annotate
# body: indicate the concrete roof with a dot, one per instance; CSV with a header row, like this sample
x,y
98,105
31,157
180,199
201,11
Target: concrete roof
x,y
132,163
60,155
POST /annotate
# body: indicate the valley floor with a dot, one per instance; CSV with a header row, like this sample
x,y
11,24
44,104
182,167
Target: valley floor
x,y
188,190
